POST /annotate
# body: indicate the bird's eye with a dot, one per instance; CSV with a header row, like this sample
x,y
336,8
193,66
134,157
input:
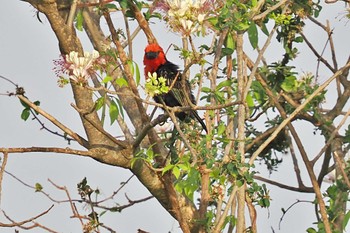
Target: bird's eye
x,y
152,55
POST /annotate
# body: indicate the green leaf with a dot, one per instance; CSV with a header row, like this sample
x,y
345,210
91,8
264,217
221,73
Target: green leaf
x,y
137,73
79,20
131,67
250,101
264,29
213,21
230,43
176,172
221,129
134,68
38,187
123,4
113,111
253,35
37,103
24,104
107,79
206,89
311,230
120,107
121,82
290,84
226,51
226,83
299,39
99,103
346,219
111,6
167,168
25,114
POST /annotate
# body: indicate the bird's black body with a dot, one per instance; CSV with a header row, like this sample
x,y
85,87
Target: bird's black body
x,y
179,88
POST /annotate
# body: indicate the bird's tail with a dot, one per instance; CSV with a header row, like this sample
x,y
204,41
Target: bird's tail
x,y
199,119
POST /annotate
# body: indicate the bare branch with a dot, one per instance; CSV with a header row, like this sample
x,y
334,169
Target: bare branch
x,y
59,150
22,223
302,189
53,120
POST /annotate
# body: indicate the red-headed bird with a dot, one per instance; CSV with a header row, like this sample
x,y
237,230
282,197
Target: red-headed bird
x,y
155,61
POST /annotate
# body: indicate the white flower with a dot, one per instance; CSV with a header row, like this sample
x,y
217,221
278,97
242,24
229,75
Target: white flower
x,y
78,68
186,16
200,18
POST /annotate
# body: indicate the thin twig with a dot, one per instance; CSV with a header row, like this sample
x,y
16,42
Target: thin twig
x,y
291,206
53,120
295,162
301,189
21,223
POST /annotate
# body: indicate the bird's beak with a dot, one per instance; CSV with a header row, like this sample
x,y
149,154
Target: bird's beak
x,y
151,55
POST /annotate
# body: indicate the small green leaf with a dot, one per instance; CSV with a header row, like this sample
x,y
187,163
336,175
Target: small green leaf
x,y
206,89
346,219
37,103
25,114
249,100
123,4
221,129
253,35
264,29
311,230
226,83
226,51
120,107
299,39
176,172
137,73
230,43
107,79
38,187
113,111
290,84
167,168
99,103
24,104
111,6
131,67
79,20
213,21
121,82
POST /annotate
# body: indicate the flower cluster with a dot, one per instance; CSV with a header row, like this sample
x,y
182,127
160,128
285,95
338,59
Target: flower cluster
x,y
186,16
156,85
77,68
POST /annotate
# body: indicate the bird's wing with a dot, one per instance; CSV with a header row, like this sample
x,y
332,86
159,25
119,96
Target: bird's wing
x,y
180,89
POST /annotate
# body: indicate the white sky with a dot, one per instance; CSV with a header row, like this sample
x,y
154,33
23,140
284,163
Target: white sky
x,y
27,49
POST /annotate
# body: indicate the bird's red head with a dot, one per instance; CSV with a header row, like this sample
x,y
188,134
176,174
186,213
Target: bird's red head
x,y
154,57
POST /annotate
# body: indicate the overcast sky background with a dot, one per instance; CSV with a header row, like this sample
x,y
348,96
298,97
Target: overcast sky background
x,y
27,49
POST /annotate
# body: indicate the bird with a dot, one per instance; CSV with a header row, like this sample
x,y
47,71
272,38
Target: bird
x,y
180,92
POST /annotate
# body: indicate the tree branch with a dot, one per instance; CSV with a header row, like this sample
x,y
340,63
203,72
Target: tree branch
x,y
54,121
